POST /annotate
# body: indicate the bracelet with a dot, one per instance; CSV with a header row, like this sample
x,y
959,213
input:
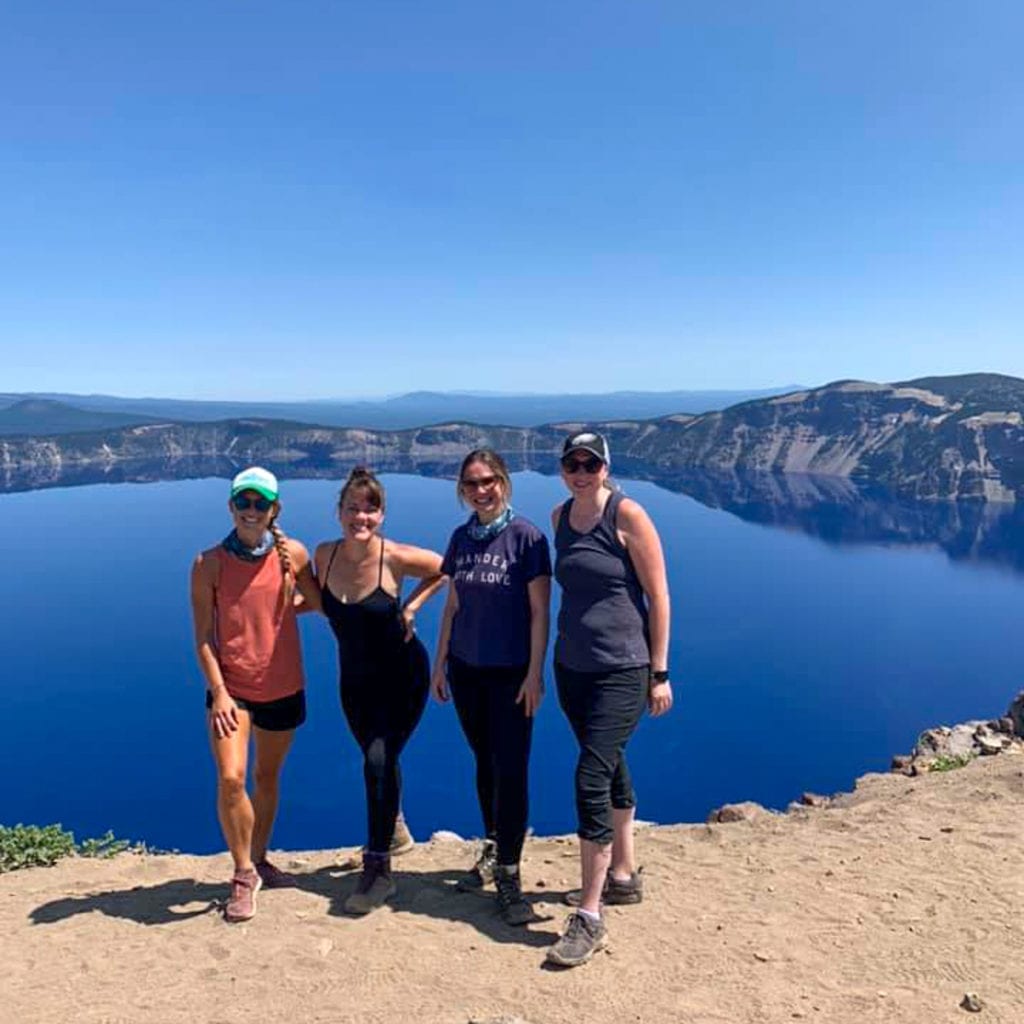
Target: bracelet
x,y
658,676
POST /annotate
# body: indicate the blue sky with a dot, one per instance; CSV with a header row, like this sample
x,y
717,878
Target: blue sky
x,y
311,199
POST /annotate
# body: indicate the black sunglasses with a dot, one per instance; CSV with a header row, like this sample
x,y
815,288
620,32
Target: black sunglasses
x,y
481,483
242,503
589,465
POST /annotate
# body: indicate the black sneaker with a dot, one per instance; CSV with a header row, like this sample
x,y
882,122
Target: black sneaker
x,y
582,938
511,905
614,893
482,872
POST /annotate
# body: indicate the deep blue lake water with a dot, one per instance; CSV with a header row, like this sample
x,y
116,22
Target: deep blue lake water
x,y
804,653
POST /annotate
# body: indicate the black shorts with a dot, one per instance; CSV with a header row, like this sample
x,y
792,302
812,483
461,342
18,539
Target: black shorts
x,y
280,715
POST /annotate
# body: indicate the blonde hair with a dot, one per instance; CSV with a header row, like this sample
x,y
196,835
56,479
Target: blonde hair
x,y
494,462
285,558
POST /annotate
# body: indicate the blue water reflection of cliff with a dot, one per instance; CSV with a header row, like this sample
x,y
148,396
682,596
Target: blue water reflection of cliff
x,y
798,664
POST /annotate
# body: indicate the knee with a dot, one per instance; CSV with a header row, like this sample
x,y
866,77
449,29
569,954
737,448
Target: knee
x,y
266,779
377,758
231,785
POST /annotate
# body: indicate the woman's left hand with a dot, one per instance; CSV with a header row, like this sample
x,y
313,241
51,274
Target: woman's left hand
x,y
531,693
659,698
408,623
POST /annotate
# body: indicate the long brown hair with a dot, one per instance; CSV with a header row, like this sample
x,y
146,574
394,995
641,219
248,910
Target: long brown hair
x,y
285,558
494,462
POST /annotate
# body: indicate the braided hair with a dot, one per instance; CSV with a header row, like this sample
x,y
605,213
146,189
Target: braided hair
x,y
285,558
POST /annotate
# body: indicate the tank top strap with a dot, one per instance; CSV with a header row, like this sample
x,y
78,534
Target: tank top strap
x,y
380,567
330,562
563,516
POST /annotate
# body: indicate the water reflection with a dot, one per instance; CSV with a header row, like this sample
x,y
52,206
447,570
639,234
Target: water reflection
x,y
833,509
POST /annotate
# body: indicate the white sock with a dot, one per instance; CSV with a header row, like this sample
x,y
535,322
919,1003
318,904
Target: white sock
x,y
588,914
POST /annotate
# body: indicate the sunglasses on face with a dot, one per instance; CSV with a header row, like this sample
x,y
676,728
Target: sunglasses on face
x,y
481,483
242,503
588,465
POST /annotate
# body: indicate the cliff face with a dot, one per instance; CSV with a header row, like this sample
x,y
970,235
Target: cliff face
x,y
935,438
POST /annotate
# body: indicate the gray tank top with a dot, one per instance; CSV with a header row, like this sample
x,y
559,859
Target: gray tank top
x,y
602,621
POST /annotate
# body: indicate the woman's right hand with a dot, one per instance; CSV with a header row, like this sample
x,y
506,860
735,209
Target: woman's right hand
x,y
223,713
439,684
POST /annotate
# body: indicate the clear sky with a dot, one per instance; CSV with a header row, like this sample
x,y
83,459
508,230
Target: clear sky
x,y
245,199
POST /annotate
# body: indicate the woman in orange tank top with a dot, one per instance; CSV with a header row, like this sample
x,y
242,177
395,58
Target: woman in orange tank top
x,y
247,643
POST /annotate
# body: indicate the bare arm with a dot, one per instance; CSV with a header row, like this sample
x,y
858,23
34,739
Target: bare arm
x,y
224,711
644,546
424,565
305,581
438,679
532,691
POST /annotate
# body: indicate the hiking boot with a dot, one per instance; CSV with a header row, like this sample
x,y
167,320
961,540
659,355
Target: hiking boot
x,y
482,872
511,905
402,841
241,904
375,885
273,877
615,893
582,938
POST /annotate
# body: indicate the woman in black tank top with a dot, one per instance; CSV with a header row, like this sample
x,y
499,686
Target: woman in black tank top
x,y
384,668
611,661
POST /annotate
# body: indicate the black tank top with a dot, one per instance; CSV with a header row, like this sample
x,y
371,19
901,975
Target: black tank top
x,y
602,620
370,633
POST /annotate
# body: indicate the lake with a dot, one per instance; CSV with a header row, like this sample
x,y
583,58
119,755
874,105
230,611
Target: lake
x,y
816,630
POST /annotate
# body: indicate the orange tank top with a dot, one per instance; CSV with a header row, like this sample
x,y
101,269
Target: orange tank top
x,y
257,640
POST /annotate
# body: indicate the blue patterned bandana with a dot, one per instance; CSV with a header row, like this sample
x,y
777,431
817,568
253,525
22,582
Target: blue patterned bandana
x,y
485,531
232,543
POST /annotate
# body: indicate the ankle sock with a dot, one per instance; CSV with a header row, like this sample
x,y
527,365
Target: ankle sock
x,y
588,915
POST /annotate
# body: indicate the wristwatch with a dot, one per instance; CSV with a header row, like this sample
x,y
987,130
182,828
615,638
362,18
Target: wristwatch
x,y
659,675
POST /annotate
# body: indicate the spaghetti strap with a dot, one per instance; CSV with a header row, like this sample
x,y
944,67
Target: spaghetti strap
x,y
380,568
330,562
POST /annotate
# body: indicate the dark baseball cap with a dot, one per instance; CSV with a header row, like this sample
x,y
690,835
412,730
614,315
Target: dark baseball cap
x,y
588,441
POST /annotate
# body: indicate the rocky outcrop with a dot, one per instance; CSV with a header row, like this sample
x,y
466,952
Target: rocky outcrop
x,y
936,438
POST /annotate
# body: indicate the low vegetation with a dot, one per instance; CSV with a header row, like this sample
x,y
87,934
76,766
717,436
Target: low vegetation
x,y
32,846
950,762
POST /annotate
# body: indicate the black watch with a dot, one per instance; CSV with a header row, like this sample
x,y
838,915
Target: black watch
x,y
659,676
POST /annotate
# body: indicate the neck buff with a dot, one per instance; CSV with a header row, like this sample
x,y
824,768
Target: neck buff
x,y
232,543
485,531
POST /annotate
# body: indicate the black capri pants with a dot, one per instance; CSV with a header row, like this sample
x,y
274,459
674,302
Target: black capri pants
x,y
603,709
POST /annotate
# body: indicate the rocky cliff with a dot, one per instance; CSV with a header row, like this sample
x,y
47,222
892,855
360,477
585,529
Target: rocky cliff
x,y
934,438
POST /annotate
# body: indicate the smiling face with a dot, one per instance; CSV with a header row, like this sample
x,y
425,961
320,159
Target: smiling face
x,y
359,513
583,472
252,514
483,490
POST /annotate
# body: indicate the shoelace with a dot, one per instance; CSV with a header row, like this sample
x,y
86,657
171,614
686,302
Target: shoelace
x,y
508,889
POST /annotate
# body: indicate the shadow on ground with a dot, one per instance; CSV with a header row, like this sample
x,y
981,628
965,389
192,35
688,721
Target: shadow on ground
x,y
429,893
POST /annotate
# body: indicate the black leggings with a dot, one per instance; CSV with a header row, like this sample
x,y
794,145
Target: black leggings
x,y
382,712
499,733
603,709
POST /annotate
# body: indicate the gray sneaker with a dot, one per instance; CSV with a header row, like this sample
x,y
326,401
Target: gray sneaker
x,y
511,905
482,872
582,938
375,885
614,893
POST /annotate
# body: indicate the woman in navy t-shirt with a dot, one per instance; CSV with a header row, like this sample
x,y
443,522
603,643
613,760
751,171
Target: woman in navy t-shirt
x,y
490,656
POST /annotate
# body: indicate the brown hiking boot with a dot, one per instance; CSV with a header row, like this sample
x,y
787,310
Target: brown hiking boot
x,y
615,893
241,904
401,842
482,872
582,938
375,885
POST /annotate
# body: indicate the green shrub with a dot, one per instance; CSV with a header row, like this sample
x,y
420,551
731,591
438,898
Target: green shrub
x,y
35,846
30,846
950,762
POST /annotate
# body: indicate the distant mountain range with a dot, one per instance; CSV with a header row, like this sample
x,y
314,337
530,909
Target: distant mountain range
x,y
62,413
932,438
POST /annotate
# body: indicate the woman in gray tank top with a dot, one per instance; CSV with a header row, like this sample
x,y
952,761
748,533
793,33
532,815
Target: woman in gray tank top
x,y
611,661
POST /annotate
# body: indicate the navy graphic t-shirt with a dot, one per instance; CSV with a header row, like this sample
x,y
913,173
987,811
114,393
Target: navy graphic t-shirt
x,y
492,625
